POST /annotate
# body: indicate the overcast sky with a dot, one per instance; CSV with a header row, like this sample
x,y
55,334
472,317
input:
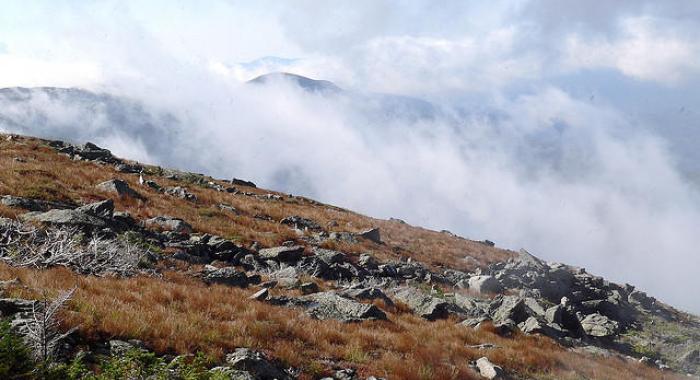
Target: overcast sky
x,y
569,127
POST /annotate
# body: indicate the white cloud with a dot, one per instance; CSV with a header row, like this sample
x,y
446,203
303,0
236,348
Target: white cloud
x,y
29,72
645,50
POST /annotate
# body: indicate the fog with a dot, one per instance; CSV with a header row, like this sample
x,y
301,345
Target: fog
x,y
520,143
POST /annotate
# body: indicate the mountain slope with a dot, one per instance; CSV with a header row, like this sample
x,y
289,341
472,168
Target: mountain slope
x,y
335,292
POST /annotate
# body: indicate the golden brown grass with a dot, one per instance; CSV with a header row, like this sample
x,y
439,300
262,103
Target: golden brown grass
x,y
180,315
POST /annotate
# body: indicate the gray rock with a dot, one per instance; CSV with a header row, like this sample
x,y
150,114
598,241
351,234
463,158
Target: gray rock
x,y
118,187
168,223
300,223
66,218
240,182
368,261
510,308
533,326
534,306
31,204
598,325
428,307
286,278
329,305
254,362
372,235
329,256
367,294
103,209
229,276
284,254
484,284
180,192
554,314
489,370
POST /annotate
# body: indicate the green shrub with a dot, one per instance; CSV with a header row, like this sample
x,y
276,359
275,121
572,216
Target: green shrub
x,y
15,358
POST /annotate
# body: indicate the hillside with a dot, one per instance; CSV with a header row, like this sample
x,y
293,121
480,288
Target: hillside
x,y
165,265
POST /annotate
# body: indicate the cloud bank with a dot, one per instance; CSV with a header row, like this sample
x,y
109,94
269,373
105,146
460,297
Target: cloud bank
x,y
540,134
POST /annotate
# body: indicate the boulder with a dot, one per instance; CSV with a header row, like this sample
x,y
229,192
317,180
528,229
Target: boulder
x,y
92,152
240,182
367,294
229,276
489,370
180,192
119,187
555,314
598,325
372,235
103,209
329,305
533,326
283,253
287,277
428,307
31,204
368,261
484,284
510,308
329,256
168,223
300,223
256,363
66,218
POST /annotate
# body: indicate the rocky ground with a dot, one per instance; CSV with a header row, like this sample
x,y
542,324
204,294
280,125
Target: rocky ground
x,y
323,271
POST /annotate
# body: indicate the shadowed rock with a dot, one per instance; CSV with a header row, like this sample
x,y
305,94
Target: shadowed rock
x,y
285,254
119,187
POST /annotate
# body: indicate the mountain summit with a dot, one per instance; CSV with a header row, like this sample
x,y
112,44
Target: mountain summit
x,y
308,84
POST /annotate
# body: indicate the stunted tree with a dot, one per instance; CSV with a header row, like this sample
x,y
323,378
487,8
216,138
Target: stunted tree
x,y
42,333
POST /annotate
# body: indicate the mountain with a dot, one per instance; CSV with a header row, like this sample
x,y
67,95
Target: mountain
x,y
308,84
151,271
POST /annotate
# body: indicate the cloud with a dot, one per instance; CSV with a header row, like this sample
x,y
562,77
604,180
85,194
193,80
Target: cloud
x,y
646,51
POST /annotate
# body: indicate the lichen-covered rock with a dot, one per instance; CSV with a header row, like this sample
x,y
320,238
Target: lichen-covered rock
x,y
169,224
428,307
329,305
598,325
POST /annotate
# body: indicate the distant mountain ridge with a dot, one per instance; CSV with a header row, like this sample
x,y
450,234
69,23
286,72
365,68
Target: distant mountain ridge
x,y
313,85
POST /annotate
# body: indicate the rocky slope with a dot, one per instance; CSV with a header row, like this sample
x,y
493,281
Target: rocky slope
x,y
269,285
